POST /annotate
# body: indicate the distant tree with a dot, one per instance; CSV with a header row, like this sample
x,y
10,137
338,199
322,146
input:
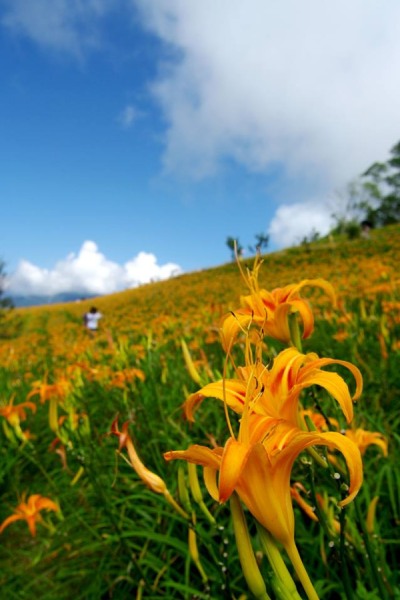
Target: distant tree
x,y
350,210
234,246
262,241
372,200
313,236
6,303
382,183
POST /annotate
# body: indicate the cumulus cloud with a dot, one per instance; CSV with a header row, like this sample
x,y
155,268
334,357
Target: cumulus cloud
x,y
88,272
293,222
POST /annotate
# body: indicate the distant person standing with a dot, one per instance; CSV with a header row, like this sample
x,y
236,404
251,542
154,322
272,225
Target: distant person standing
x,y
91,319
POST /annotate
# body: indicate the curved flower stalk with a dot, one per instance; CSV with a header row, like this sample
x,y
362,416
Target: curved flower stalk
x,y
29,511
275,392
199,369
270,310
370,521
190,365
152,480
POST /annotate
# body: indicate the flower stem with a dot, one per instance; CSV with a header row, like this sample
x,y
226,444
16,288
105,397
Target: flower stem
x,y
175,505
375,575
343,558
300,569
278,564
294,329
247,559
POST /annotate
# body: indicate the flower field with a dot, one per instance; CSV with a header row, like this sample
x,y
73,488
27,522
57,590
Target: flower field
x,y
230,433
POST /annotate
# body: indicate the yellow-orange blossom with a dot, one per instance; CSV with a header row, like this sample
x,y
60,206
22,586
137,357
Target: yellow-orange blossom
x,y
270,310
29,511
258,463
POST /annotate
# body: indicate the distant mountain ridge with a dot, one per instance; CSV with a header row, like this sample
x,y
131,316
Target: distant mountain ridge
x,y
33,300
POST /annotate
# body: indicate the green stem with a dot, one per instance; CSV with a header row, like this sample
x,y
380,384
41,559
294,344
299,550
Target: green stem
x,y
294,329
370,554
53,414
342,550
175,505
247,559
300,569
278,564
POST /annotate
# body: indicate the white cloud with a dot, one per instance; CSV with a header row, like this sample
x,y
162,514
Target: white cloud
x,y
293,222
88,272
67,25
312,86
144,268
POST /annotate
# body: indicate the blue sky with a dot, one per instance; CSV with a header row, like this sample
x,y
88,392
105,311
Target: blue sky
x,y
136,135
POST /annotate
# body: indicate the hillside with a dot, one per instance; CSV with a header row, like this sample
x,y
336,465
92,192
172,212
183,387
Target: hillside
x,y
353,267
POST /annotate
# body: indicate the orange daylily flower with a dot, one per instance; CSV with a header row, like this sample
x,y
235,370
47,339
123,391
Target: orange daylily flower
x,y
270,310
46,391
29,511
122,378
55,393
275,392
363,439
341,335
259,469
15,413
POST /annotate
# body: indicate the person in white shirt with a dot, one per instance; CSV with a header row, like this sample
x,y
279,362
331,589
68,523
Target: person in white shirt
x,y
92,318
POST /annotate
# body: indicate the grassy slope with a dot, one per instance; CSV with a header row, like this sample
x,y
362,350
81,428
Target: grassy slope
x,y
355,268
